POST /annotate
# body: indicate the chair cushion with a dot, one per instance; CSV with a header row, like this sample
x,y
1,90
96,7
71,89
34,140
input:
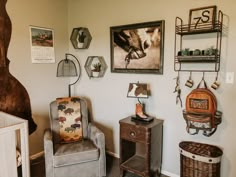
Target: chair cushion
x,y
70,119
73,153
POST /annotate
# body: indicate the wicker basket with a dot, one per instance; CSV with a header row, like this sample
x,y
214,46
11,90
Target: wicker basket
x,y
199,160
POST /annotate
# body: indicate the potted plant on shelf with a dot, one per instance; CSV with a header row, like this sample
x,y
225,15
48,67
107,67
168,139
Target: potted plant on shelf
x,y
96,69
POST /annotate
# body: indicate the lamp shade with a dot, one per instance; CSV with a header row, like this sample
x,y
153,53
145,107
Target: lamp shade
x,y
67,68
137,90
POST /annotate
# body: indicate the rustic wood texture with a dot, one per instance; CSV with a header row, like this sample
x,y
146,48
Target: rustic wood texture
x,y
140,147
14,98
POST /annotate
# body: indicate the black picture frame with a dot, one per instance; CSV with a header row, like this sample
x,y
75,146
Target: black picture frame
x,y
202,18
137,48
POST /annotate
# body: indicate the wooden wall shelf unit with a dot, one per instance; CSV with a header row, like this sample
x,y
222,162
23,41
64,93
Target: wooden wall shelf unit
x,y
95,66
140,147
211,57
80,38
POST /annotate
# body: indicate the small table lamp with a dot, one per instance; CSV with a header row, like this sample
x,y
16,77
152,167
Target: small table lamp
x,y
139,90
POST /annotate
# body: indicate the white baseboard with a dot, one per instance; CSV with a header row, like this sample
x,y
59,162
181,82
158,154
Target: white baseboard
x,y
113,154
37,155
169,174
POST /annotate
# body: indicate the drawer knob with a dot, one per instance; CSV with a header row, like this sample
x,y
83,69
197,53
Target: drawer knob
x,y
132,134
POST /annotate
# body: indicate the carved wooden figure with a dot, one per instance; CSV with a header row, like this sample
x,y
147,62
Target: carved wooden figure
x,y
14,98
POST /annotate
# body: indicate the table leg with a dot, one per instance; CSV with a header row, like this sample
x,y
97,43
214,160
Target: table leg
x,y
121,173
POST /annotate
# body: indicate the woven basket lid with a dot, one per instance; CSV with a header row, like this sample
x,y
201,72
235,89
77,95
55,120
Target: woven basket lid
x,y
201,149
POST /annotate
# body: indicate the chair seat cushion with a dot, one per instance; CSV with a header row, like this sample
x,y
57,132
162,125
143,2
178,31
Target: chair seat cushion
x,y
73,153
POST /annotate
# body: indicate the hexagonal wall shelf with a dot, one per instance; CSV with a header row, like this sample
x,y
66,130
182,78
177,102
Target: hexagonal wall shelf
x,y
95,66
80,38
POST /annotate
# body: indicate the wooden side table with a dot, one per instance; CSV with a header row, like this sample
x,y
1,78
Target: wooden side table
x,y
141,147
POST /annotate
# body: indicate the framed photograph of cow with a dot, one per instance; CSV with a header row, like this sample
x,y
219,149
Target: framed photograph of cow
x,y
137,48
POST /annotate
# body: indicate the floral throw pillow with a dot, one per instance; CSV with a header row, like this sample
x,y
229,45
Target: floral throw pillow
x,y
70,119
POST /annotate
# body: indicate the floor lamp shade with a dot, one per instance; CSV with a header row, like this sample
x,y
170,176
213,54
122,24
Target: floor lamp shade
x,y
67,68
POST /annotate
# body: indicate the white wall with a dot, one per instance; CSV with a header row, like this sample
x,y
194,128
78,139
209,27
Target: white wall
x,y
39,79
108,94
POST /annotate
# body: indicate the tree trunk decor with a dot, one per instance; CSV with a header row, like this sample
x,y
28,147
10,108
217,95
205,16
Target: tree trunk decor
x,y
14,98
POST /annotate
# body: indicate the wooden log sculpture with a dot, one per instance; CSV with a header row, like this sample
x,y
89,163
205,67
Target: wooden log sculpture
x,y
14,98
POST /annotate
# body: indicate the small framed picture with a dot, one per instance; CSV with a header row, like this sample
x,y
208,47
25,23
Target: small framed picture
x,y
42,45
202,18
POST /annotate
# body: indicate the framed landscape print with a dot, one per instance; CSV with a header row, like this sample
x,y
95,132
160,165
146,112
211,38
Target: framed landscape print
x,y
42,45
137,48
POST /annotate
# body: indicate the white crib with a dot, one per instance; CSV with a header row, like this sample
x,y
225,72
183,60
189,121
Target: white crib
x,y
13,135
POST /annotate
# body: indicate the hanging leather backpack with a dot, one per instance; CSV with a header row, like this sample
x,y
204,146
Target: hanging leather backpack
x,y
201,111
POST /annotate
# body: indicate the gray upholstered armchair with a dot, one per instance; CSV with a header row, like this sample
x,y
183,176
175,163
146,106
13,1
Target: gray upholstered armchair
x,y
85,158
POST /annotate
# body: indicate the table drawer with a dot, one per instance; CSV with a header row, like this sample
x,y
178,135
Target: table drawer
x,y
133,133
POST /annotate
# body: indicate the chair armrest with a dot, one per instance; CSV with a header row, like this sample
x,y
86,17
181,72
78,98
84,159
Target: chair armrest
x,y
98,138
48,152
48,142
96,135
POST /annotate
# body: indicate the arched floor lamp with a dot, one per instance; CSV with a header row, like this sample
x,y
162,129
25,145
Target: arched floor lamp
x,y
67,68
